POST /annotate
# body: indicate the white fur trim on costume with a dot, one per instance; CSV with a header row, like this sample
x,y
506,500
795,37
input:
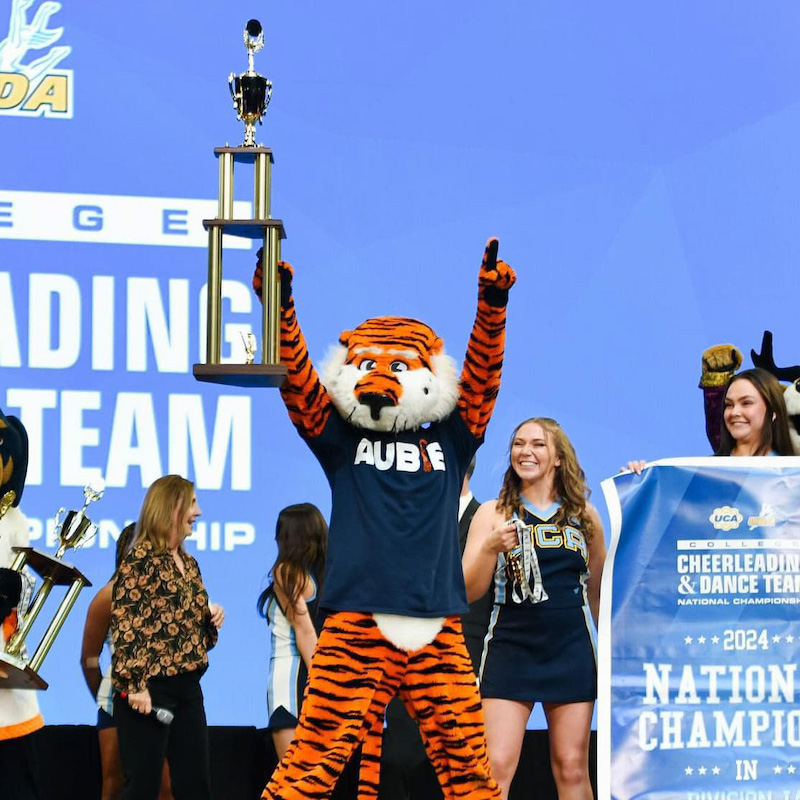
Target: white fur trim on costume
x,y
408,633
18,707
791,397
427,396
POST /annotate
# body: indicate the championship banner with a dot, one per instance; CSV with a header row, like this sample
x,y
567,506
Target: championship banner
x,y
700,632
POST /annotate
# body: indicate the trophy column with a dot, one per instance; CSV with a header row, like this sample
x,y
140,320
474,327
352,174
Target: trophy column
x,y
269,232
251,93
23,673
73,529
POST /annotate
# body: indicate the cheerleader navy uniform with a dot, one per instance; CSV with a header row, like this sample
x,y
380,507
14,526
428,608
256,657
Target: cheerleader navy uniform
x,y
287,672
543,652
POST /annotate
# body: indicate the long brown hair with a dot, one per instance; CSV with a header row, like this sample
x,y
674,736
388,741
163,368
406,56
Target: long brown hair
x,y
570,480
157,517
302,536
774,436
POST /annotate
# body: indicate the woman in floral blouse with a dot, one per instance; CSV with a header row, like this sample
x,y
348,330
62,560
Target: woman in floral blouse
x,y
162,627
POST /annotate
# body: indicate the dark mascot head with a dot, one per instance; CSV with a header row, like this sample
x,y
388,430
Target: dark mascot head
x,y
13,467
791,393
13,457
391,374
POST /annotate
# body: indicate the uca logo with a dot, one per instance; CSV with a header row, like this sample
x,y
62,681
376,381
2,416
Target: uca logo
x,y
725,518
30,84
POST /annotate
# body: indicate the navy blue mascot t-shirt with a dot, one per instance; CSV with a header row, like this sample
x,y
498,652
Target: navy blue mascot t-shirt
x,y
393,538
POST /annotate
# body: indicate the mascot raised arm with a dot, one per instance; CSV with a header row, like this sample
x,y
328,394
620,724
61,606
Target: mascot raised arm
x,y
394,429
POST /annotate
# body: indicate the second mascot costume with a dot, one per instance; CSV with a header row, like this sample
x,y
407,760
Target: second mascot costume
x,y
394,429
19,709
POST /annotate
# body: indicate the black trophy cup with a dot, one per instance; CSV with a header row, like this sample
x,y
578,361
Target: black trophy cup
x,y
250,91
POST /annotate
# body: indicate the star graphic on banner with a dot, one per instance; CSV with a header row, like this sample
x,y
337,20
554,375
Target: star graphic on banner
x,y
701,770
689,771
789,638
701,640
776,638
715,640
687,639
777,769
715,771
791,769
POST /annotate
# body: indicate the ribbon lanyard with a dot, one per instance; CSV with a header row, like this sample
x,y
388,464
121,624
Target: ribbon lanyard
x,y
521,585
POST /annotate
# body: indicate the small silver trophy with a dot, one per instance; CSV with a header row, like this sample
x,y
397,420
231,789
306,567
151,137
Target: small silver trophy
x,y
73,529
250,91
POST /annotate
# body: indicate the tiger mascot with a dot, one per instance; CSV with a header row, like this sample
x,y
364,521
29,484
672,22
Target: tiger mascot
x,y
394,430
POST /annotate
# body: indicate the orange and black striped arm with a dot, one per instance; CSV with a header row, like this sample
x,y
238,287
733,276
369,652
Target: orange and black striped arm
x,y
305,397
483,364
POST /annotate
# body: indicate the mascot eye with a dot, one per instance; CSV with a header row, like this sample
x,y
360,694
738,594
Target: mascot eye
x,y
398,366
367,364
797,385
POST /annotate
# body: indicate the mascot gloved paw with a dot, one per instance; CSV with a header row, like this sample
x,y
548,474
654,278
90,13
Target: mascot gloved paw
x,y
495,277
285,272
719,364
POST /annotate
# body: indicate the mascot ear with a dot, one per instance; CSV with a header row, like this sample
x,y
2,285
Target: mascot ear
x,y
14,445
344,338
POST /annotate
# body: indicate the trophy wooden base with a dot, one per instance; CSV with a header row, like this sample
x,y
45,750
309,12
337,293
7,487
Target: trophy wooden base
x,y
249,375
59,572
20,675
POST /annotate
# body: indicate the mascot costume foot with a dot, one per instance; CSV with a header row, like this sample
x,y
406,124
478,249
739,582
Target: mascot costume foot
x,y
394,429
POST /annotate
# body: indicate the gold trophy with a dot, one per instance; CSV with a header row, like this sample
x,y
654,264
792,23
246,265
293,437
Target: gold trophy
x,y
251,93
73,529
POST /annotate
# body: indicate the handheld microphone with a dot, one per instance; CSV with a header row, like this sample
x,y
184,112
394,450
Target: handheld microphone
x,y
163,715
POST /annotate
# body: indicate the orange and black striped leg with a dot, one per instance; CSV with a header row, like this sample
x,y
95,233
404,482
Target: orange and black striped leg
x,y
354,673
441,694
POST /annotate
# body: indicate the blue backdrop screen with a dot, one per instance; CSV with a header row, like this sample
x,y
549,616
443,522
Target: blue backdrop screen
x,y
636,162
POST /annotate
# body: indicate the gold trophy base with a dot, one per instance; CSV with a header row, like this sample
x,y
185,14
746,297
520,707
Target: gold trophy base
x,y
272,375
20,674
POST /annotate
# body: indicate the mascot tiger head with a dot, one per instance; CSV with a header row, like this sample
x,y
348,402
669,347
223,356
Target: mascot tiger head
x,y
391,374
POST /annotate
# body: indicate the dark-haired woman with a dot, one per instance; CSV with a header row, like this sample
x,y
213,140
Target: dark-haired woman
x,y
289,604
542,544
754,419
754,416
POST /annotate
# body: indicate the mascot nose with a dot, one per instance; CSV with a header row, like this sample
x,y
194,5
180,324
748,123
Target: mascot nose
x,y
375,402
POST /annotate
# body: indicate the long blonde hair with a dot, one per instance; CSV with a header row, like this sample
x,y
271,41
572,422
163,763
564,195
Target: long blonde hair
x,y
157,517
570,480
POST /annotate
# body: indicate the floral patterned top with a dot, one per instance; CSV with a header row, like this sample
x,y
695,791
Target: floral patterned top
x,y
160,622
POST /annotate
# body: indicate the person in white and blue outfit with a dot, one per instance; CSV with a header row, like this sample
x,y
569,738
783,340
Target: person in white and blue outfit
x,y
289,604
